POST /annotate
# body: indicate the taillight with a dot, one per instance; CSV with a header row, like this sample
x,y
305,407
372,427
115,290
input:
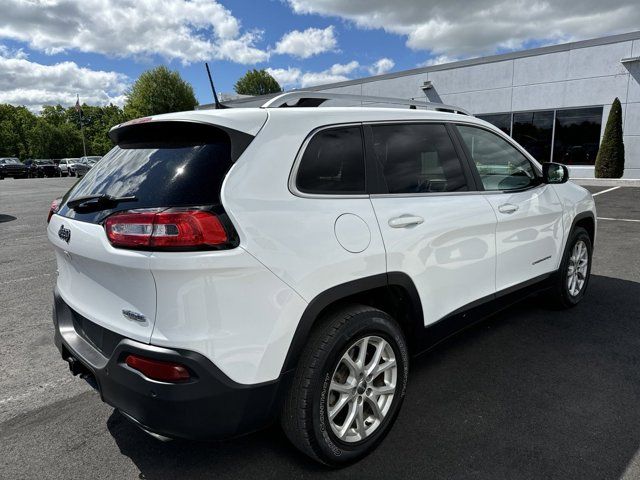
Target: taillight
x,y
55,205
158,369
165,229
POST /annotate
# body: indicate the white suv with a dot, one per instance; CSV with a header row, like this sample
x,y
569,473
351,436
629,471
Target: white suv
x,y
222,269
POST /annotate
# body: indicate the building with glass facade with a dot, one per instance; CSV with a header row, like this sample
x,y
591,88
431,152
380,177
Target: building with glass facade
x,y
553,100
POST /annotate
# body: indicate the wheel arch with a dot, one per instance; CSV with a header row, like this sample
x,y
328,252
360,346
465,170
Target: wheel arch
x,y
393,292
586,220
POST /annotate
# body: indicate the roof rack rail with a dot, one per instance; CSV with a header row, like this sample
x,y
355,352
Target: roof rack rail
x,y
315,99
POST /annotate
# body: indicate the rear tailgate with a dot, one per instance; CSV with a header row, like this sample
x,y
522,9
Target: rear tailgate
x,y
101,282
157,166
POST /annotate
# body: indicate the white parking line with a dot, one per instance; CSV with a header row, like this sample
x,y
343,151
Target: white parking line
x,y
619,219
605,191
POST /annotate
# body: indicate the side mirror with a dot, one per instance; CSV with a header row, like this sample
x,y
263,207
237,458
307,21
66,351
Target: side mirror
x,y
554,173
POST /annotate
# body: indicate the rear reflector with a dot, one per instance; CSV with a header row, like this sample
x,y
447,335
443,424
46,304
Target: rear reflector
x,y
53,209
165,229
158,369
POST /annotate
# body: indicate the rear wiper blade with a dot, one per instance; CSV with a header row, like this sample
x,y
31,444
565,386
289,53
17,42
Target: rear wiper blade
x,y
98,202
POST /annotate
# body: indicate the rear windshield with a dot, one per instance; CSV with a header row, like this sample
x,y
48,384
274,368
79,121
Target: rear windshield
x,y
157,177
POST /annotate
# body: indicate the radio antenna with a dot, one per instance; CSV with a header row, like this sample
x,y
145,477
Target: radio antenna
x,y
213,89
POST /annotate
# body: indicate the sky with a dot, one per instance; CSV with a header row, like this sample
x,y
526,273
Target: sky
x,y
53,50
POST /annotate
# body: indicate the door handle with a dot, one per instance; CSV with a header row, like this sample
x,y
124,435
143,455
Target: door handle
x,y
507,208
405,221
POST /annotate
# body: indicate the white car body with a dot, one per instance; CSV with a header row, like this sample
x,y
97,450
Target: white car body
x,y
240,308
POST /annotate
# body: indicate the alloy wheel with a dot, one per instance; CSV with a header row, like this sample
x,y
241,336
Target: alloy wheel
x,y
577,268
362,389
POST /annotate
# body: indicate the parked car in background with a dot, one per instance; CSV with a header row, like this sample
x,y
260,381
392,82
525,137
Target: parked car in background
x,y
85,164
67,166
12,167
42,167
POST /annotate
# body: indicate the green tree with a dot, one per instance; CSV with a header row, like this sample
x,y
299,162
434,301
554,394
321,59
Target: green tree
x,y
257,82
610,158
159,90
14,134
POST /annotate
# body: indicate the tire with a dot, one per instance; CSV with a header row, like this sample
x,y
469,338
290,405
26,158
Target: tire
x,y
561,295
311,396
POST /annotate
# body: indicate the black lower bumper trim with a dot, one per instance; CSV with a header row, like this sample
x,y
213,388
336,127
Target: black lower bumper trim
x,y
209,406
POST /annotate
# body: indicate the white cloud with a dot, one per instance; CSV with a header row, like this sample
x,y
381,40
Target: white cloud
x,y
188,31
338,72
307,43
311,79
381,66
32,84
343,69
439,60
294,77
458,28
286,77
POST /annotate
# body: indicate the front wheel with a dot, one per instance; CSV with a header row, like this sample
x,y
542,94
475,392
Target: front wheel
x,y
348,387
575,270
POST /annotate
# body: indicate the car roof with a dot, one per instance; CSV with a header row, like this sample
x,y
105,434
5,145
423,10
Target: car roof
x,y
251,120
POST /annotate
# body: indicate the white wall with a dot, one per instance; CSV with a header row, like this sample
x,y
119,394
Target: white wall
x,y
579,77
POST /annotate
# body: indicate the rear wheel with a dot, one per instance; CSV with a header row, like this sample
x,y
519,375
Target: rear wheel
x,y
348,386
575,271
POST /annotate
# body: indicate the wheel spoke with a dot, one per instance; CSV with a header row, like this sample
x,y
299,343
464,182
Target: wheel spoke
x,y
376,359
382,368
383,390
337,408
351,365
373,403
360,420
341,387
362,353
351,415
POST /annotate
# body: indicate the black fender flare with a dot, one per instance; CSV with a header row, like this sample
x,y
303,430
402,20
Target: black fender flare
x,y
582,216
335,294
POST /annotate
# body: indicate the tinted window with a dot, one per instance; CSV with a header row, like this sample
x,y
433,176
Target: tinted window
x,y
500,120
158,177
417,158
577,136
534,131
500,164
333,163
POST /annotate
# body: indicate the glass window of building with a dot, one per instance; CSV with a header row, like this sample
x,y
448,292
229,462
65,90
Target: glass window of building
x,y
577,136
500,120
534,130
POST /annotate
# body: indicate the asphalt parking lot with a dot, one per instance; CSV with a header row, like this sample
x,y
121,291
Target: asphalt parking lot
x,y
529,393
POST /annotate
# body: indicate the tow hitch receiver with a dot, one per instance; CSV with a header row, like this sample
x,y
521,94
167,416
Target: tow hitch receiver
x,y
78,369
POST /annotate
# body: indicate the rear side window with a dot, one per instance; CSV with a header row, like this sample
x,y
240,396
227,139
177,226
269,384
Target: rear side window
x,y
500,165
333,163
417,158
162,173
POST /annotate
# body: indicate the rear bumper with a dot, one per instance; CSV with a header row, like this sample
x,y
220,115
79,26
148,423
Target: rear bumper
x,y
209,406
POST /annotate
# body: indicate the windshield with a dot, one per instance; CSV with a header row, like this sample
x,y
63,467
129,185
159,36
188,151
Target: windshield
x,y
157,177
11,161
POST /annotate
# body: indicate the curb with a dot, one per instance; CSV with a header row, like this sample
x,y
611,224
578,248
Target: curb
x,y
606,182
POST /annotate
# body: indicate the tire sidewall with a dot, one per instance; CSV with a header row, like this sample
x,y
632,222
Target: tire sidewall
x,y
577,234
334,450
